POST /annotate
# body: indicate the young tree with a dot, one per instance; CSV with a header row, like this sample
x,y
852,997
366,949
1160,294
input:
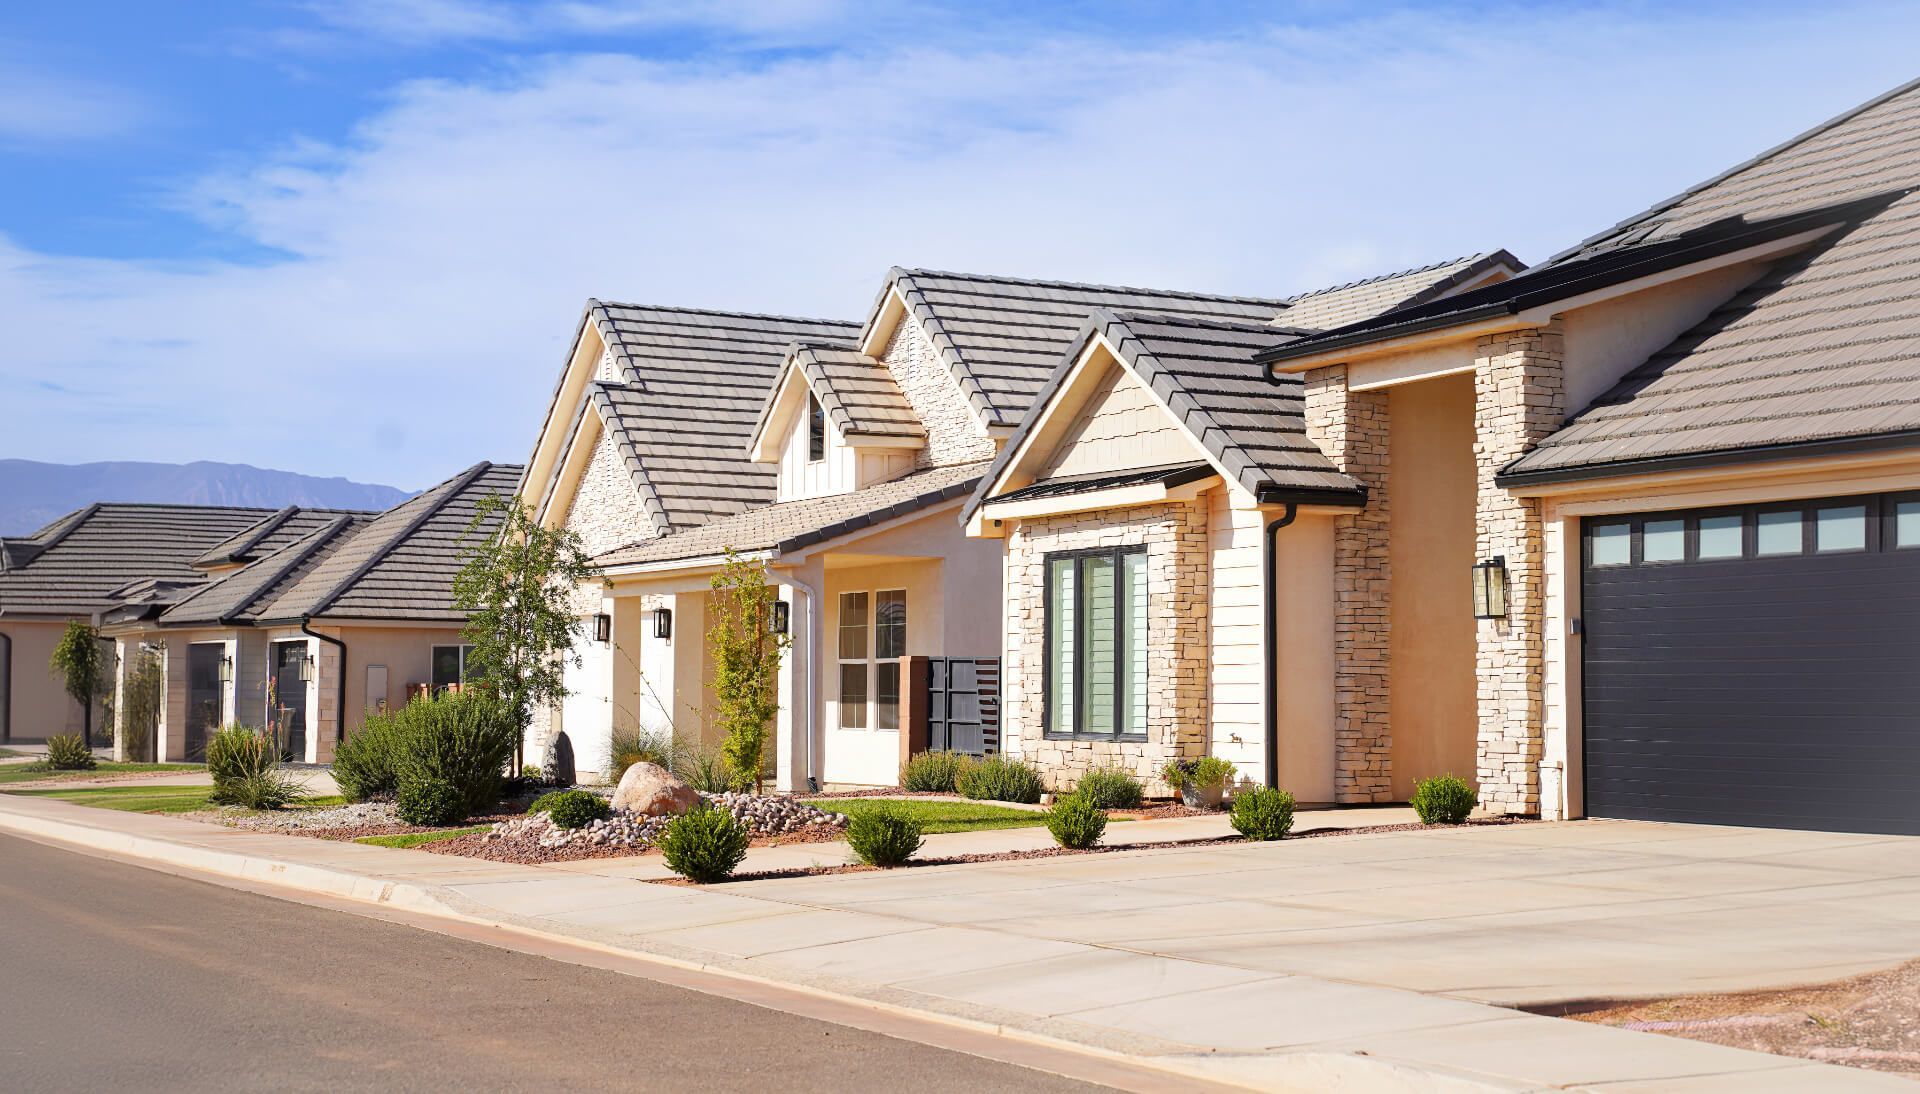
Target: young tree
x,y
517,587
81,666
746,665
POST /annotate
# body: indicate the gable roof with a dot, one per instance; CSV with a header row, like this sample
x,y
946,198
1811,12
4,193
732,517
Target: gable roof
x,y
1205,374
285,526
794,525
1324,309
689,385
80,560
17,551
244,594
857,393
400,565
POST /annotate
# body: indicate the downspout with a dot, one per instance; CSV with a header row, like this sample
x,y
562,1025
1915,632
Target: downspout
x,y
340,702
1271,624
816,637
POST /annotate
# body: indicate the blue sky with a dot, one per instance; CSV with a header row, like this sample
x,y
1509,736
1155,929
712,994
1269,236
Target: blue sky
x,y
354,236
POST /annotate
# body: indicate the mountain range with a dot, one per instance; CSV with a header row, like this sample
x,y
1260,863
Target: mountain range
x,y
33,493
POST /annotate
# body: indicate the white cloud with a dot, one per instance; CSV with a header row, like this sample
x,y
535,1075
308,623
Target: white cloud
x,y
442,253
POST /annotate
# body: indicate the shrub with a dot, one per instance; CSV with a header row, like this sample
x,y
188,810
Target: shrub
x,y
463,739
430,802
703,844
68,752
884,834
998,778
1263,813
1204,772
639,746
1110,788
366,765
245,765
573,808
933,772
1076,821
1443,799
702,768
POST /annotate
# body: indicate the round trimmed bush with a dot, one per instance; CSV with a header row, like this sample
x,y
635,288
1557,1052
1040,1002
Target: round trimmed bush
x,y
430,802
933,772
703,844
573,808
67,752
1076,822
1111,788
998,778
366,764
1443,799
1263,813
463,739
883,834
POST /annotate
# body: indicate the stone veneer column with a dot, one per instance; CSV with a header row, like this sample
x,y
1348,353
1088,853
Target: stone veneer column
x,y
1351,428
1519,398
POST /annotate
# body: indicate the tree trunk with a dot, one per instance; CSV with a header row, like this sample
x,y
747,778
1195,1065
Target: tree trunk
x,y
86,723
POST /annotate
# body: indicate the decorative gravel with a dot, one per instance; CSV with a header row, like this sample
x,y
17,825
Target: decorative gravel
x,y
775,814
356,815
535,838
624,828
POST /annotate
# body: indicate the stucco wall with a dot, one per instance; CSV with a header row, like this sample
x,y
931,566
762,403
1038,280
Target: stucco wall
x,y
38,707
1431,478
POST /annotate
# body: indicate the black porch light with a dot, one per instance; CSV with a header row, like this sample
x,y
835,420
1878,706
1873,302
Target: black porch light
x,y
602,627
1490,588
226,669
777,622
663,622
304,668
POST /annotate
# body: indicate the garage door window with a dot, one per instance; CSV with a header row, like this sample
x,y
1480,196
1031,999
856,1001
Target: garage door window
x,y
1664,541
1779,533
1906,524
1612,545
1723,536
1841,528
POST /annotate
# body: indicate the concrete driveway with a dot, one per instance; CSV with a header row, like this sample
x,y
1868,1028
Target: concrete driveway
x,y
1518,915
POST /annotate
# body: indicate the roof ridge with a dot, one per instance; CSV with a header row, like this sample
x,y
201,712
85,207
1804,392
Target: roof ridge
x,y
427,512
1247,326
1377,278
719,312
900,272
264,510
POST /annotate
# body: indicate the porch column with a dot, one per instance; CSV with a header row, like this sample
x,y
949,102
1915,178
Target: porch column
x,y
797,729
1519,398
1351,428
323,700
120,753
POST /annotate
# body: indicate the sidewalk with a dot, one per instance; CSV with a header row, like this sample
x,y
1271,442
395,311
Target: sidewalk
x,y
931,941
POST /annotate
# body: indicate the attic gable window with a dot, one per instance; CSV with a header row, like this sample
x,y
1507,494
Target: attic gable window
x,y
816,429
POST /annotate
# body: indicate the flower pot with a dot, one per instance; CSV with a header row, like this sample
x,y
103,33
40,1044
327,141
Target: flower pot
x,y
1201,797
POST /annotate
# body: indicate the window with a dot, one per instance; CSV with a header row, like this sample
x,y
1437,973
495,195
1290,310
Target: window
x,y
853,660
876,660
889,645
886,695
1778,533
1096,637
450,665
1906,524
1840,528
1663,541
1722,536
1612,544
816,429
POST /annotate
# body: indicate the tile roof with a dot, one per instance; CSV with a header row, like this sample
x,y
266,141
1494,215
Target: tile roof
x,y
1325,309
17,551
244,594
691,386
793,525
1172,474
1824,347
84,557
857,392
287,525
400,565
1205,372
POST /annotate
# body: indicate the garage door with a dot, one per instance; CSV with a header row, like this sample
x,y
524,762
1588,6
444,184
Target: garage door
x,y
1755,665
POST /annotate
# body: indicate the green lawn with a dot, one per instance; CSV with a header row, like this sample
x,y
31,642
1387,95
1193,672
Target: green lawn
x,y
943,816
147,799
14,773
10,754
415,839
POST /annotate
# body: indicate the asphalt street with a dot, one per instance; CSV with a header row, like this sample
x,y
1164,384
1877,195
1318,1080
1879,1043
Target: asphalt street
x,y
114,977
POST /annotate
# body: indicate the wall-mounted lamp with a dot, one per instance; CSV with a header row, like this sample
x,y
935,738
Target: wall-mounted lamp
x,y
306,668
1490,588
663,622
226,669
777,622
603,628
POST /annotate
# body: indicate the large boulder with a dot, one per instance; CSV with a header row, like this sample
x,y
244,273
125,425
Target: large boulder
x,y
653,791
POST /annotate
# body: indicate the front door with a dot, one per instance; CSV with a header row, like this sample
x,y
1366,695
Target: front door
x,y
203,696
290,697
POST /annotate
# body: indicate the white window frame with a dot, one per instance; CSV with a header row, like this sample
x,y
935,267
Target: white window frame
x,y
870,661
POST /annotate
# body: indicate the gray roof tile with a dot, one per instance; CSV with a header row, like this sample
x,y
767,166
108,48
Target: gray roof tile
x,y
87,556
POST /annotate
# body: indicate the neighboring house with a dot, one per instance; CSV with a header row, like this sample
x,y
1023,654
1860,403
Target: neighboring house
x,y
839,458
1677,467
309,613
73,569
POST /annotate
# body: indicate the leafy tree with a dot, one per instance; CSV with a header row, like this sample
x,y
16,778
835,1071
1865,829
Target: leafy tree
x,y
746,665
517,587
138,717
80,663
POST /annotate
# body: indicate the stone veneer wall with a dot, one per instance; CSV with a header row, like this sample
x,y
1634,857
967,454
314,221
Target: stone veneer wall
x,y
1351,428
1519,398
1175,536
954,434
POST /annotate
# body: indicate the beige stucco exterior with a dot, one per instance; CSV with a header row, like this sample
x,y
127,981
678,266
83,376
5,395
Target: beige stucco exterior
x,y
38,706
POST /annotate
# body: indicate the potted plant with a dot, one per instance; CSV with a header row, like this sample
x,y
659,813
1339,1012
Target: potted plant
x,y
1200,783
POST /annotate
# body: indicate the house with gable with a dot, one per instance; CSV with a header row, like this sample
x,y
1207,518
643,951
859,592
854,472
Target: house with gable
x,y
868,439
1633,533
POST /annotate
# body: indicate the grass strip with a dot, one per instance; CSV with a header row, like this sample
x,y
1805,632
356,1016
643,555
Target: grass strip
x,y
415,839
942,816
15,774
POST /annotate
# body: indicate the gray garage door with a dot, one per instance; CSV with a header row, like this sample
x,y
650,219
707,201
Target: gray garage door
x,y
1756,665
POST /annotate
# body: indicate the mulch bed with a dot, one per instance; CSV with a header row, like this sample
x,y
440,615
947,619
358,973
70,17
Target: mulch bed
x,y
1870,1021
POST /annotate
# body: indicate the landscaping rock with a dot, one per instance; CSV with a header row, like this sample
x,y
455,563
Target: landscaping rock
x,y
774,814
653,791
